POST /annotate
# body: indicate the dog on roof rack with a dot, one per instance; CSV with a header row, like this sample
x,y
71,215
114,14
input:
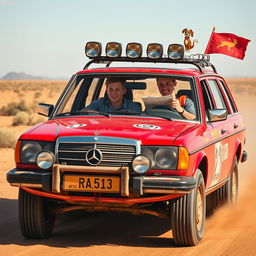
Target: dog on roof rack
x,y
187,42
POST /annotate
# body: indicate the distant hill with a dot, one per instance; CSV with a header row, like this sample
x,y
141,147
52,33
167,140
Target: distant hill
x,y
24,76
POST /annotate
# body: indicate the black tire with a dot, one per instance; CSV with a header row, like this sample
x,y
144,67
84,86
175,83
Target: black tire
x,y
225,194
232,184
35,221
216,199
188,215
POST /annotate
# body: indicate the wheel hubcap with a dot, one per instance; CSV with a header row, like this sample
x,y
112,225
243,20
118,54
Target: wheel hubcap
x,y
234,187
199,208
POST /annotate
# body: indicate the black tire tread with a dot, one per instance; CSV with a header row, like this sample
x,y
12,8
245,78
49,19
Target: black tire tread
x,y
32,216
183,228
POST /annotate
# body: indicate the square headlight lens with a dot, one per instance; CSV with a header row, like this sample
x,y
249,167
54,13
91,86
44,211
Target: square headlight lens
x,y
155,51
93,49
175,51
133,50
30,149
162,157
113,49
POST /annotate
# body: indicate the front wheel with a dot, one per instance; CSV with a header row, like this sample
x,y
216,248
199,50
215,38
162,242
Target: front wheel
x,y
34,217
188,215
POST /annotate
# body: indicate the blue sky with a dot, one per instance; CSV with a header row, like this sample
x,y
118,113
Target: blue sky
x,y
47,37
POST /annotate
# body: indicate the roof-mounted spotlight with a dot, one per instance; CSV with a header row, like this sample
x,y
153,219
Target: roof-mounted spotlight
x,y
134,50
155,51
93,49
175,51
113,49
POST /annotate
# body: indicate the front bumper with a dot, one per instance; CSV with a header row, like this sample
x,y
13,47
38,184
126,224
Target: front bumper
x,y
130,185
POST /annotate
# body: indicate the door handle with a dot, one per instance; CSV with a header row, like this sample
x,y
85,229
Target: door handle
x,y
223,131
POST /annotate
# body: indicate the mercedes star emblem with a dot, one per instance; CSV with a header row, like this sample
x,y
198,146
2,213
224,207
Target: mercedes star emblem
x,y
93,156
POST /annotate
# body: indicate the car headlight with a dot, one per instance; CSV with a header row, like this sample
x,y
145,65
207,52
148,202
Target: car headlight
x,y
30,149
155,51
133,50
45,159
167,157
141,164
113,49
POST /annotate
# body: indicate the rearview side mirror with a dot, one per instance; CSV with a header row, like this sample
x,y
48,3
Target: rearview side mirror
x,y
215,115
44,109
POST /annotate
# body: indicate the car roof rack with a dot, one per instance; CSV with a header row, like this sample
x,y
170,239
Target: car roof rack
x,y
199,60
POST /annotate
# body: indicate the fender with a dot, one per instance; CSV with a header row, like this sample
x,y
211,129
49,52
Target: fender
x,y
198,161
238,144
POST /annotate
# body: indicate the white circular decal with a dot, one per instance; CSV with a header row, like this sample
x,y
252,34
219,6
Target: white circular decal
x,y
147,126
76,125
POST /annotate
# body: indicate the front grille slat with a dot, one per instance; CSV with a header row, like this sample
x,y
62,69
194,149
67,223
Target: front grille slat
x,y
112,154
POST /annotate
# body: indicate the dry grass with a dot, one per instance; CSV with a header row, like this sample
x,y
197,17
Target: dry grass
x,y
30,91
7,138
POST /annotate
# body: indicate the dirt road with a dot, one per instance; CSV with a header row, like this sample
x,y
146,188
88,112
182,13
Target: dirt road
x,y
230,231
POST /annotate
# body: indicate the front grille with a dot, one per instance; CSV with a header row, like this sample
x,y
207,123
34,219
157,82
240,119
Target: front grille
x,y
112,154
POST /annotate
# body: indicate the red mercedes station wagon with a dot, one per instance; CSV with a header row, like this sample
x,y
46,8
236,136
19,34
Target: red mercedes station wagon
x,y
151,139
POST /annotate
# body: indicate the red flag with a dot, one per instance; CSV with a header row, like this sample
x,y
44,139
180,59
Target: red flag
x,y
228,44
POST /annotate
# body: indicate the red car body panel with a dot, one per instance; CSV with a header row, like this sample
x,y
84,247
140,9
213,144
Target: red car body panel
x,y
120,127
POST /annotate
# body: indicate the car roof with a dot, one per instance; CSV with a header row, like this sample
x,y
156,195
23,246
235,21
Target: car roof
x,y
160,71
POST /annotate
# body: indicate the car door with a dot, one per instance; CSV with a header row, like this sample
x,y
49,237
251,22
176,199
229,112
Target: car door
x,y
217,133
235,121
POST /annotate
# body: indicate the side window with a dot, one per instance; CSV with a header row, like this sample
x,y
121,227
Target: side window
x,y
208,102
219,101
69,100
228,97
92,91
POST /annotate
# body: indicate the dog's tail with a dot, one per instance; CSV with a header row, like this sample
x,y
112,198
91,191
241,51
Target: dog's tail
x,y
194,41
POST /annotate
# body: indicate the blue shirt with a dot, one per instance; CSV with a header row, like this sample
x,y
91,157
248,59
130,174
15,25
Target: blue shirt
x,y
190,106
104,105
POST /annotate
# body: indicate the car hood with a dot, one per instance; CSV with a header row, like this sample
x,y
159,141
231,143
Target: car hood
x,y
147,130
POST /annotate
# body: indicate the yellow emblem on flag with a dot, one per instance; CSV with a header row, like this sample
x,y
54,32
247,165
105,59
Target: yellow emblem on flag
x,y
229,44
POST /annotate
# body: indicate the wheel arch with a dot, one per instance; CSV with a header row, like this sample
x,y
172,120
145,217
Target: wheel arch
x,y
238,150
202,164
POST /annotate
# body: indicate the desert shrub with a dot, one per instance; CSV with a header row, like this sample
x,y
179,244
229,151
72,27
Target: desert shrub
x,y
13,108
7,138
51,93
21,118
37,95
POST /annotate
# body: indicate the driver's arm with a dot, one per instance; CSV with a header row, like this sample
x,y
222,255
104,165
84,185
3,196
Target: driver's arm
x,y
187,114
175,104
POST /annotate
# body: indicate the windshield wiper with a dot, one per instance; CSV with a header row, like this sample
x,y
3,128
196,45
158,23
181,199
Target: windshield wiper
x,y
70,113
82,112
155,115
125,112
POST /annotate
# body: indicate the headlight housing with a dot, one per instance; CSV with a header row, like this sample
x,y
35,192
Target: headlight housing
x,y
155,51
167,157
175,51
93,49
141,164
45,160
29,150
113,49
134,50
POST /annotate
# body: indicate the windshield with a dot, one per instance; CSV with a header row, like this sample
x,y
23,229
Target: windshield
x,y
164,97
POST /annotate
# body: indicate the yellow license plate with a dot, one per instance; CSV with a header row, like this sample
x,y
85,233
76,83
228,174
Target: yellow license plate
x,y
91,183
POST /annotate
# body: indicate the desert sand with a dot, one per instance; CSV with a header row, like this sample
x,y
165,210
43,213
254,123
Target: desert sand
x,y
230,231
